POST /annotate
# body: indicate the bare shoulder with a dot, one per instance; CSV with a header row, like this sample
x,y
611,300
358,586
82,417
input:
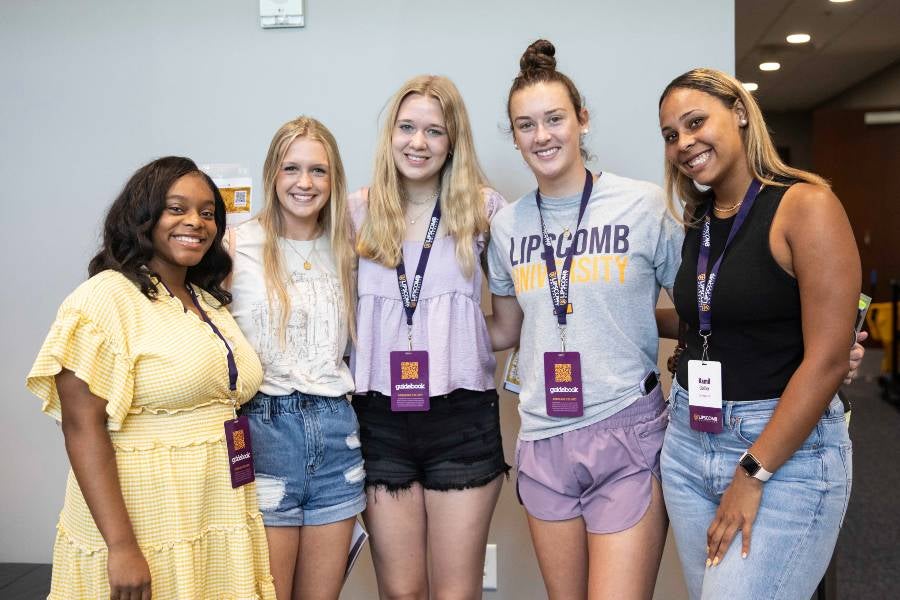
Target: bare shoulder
x,y
810,221
808,207
810,199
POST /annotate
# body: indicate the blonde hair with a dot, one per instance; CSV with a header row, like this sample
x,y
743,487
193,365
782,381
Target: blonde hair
x,y
334,218
762,158
462,206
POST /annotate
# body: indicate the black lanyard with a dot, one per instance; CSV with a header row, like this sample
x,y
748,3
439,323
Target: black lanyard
x,y
705,284
559,284
410,297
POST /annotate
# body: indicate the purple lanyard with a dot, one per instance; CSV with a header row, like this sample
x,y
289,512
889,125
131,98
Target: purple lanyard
x,y
232,366
410,297
705,285
559,284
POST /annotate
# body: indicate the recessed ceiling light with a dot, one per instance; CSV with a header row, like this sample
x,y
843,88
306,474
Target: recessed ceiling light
x,y
841,1
798,38
769,66
750,86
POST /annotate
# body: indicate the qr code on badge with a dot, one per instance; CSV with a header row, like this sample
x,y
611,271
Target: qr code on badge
x,y
563,372
237,437
409,370
240,198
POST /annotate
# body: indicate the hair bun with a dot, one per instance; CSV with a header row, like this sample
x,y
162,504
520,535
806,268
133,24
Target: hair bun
x,y
538,57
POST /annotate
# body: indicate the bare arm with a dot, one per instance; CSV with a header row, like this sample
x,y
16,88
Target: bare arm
x,y
667,320
825,260
811,237
505,324
94,464
667,323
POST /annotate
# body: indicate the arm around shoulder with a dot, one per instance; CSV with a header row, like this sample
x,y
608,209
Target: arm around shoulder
x,y
505,322
493,202
357,205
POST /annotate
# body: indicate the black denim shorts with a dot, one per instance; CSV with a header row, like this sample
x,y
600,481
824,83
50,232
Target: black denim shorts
x,y
454,446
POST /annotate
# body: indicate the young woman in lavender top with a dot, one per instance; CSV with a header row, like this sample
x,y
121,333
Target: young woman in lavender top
x,y
434,462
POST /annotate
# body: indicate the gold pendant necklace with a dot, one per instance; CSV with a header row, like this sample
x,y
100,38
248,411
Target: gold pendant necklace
x,y
427,204
566,231
306,264
413,220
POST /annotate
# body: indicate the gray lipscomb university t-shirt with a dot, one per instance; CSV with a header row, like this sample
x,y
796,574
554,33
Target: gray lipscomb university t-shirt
x,y
627,248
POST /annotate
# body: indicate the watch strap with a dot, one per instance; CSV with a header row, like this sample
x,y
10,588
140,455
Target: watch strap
x,y
760,473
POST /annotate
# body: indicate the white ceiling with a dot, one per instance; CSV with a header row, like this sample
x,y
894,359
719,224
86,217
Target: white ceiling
x,y
850,42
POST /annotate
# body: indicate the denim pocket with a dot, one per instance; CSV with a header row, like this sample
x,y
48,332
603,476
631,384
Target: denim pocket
x,y
339,419
748,428
674,406
847,459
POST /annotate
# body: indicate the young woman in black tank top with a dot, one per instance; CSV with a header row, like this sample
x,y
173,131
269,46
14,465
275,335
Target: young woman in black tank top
x,y
777,316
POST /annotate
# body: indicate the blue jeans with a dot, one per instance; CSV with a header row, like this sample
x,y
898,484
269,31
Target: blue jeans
x,y
801,510
306,454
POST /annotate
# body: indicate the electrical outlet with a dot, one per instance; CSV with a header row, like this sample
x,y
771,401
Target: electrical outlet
x,y
489,582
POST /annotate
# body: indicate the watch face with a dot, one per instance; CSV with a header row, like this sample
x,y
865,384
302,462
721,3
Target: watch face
x,y
750,464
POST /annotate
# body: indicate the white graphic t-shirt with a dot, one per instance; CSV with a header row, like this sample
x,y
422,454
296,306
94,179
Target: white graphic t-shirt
x,y
311,358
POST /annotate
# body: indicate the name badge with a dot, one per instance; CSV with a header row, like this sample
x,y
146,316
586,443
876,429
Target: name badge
x,y
240,454
409,381
705,395
562,384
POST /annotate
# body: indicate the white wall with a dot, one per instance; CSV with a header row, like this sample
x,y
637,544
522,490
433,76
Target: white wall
x,y
93,89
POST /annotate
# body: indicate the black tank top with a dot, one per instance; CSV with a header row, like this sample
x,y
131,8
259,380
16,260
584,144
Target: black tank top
x,y
757,333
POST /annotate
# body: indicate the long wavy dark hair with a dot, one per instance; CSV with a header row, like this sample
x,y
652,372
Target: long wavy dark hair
x,y
128,230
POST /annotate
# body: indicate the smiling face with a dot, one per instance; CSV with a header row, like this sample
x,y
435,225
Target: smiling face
x,y
420,142
701,135
187,226
303,184
548,133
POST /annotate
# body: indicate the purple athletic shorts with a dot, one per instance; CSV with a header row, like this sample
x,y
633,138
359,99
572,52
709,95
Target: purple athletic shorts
x,y
601,472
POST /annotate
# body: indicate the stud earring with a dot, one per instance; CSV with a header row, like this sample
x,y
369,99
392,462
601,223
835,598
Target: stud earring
x,y
516,146
585,131
743,122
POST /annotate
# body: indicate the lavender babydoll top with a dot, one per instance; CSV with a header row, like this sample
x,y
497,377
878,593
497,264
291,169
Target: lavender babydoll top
x,y
448,321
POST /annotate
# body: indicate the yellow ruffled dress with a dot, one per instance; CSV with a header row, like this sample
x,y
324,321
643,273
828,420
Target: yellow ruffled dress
x,y
164,374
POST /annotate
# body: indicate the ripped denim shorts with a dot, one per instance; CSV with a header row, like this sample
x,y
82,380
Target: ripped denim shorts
x,y
309,469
